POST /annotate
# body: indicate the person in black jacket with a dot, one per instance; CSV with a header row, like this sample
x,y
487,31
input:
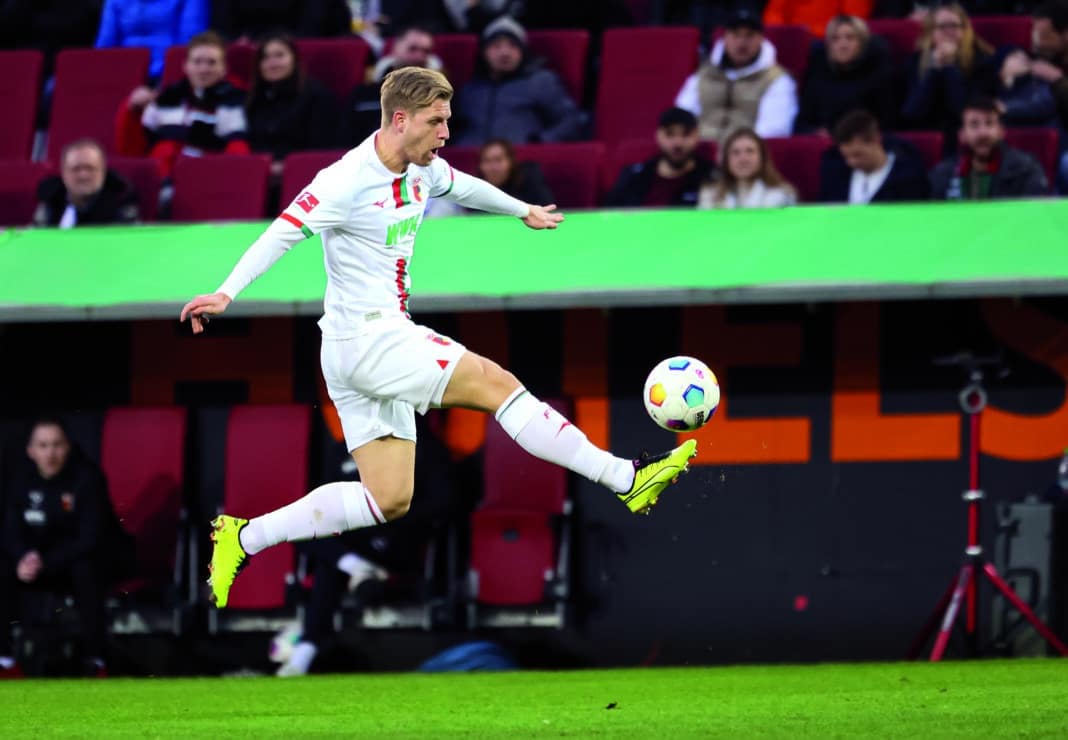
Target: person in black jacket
x,y
85,192
497,165
250,19
287,111
866,167
55,523
671,178
851,69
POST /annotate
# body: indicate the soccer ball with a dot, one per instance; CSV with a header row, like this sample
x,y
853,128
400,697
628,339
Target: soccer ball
x,y
681,394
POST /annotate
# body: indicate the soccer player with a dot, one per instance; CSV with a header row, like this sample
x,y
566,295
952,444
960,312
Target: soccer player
x,y
380,367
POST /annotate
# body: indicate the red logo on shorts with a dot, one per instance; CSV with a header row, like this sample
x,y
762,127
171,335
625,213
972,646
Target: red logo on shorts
x,y
437,339
307,201
443,363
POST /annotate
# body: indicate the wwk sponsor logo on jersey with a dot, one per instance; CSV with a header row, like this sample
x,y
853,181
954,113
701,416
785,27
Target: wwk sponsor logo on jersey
x,y
402,229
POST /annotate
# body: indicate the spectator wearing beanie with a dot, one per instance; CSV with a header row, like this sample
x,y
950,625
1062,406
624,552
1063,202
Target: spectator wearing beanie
x,y
513,97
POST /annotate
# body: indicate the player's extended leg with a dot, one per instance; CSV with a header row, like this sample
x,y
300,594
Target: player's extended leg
x,y
481,384
387,467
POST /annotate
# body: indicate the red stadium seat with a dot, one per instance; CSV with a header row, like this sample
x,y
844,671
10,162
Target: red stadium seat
x,y
240,62
458,53
571,170
266,468
929,144
18,100
791,48
513,479
339,63
901,35
143,174
220,187
143,457
301,168
463,158
639,150
90,85
798,159
1004,30
18,191
565,54
642,70
512,556
1040,143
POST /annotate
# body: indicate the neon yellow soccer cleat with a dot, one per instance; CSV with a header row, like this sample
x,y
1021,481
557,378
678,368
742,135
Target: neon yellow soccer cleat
x,y
653,474
227,557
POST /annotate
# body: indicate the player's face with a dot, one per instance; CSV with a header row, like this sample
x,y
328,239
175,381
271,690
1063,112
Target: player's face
x,y
49,450
494,165
277,63
1046,42
845,45
861,153
676,144
741,45
205,66
83,172
427,131
413,49
981,132
503,55
743,158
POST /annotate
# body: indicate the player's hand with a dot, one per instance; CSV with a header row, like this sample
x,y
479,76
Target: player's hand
x,y
203,307
543,217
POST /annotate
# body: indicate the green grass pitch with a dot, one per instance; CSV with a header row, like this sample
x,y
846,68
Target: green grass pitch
x,y
1020,698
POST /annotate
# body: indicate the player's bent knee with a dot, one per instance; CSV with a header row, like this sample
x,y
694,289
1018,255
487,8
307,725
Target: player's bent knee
x,y
393,501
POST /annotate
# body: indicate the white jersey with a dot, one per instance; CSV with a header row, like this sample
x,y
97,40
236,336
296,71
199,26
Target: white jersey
x,y
368,218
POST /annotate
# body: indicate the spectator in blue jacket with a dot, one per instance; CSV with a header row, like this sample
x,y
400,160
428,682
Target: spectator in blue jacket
x,y
1025,100
512,97
866,167
156,24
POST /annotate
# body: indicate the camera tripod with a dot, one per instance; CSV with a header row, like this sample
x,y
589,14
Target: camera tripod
x,y
964,588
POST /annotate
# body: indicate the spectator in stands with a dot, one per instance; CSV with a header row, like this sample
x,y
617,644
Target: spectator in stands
x,y
851,69
54,524
251,19
512,96
748,178
674,176
986,167
1025,100
498,166
203,113
952,65
1050,45
413,47
741,86
85,192
287,110
156,24
865,167
48,26
813,13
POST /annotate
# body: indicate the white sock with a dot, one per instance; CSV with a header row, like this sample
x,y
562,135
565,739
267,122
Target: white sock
x,y
6,662
300,660
543,432
328,510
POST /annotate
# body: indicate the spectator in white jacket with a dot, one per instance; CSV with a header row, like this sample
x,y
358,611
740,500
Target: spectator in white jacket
x,y
747,178
741,85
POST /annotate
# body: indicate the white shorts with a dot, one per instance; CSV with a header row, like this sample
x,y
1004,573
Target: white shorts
x,y
380,377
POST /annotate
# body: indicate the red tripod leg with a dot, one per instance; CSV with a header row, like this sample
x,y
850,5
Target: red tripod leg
x,y
932,621
951,612
1022,607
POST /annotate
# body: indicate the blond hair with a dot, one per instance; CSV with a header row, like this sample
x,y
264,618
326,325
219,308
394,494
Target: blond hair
x,y
856,23
769,174
411,89
969,42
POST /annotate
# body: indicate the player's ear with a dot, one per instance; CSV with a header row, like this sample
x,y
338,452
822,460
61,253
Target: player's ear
x,y
400,120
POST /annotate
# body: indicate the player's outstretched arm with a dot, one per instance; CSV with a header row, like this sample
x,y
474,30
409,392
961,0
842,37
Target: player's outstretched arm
x,y
200,310
543,217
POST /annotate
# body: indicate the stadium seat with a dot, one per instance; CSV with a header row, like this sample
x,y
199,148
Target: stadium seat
x,y
463,158
266,468
143,174
520,537
143,457
301,168
240,62
18,100
220,187
18,191
791,48
339,63
571,170
639,150
633,91
565,54
798,159
90,85
1040,143
459,54
901,35
1004,30
928,143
